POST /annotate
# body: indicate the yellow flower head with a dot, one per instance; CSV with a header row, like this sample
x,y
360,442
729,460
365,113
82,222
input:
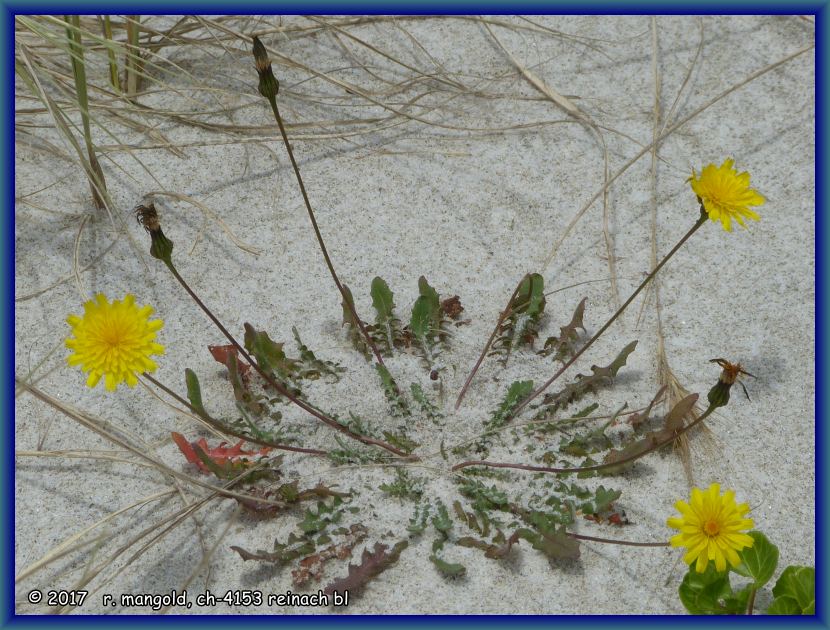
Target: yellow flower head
x,y
725,193
114,341
710,528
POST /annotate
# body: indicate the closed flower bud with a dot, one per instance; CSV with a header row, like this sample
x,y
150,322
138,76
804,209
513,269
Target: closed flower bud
x,y
719,394
268,84
161,247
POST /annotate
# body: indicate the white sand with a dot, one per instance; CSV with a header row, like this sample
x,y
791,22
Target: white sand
x,y
472,211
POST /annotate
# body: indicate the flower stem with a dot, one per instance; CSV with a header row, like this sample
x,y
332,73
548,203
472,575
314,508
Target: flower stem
x,y
504,315
225,429
751,603
347,303
598,334
614,464
612,541
278,386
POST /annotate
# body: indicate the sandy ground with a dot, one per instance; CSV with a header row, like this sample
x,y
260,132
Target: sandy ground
x,y
472,195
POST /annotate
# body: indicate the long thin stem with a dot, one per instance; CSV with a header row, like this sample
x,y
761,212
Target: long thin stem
x,y
504,315
612,541
626,460
228,430
278,386
348,303
598,334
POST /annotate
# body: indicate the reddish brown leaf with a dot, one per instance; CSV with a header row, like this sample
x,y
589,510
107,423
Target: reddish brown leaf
x,y
222,353
372,564
312,566
221,455
451,307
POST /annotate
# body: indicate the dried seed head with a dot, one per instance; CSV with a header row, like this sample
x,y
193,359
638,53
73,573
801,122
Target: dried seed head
x,y
260,56
147,217
161,247
719,394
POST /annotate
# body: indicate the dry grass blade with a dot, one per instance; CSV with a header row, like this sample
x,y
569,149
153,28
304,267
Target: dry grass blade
x,y
75,540
98,426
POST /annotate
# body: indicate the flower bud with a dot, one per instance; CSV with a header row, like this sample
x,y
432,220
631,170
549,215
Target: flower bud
x,y
268,84
719,394
161,247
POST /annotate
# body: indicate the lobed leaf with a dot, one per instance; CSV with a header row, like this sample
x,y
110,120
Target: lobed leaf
x,y
372,564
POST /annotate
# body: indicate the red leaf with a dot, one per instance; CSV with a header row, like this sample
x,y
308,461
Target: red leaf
x,y
221,353
221,455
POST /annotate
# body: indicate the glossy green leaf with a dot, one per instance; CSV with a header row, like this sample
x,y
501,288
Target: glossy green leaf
x,y
702,593
759,561
784,606
799,584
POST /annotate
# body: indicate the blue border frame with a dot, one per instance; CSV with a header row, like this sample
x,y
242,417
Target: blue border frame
x,y
7,12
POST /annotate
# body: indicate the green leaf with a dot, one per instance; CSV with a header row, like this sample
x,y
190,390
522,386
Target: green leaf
x,y
215,468
603,498
799,584
427,407
702,593
622,357
382,300
355,335
194,391
449,569
442,521
432,299
524,312
268,353
398,404
557,544
516,393
758,561
736,603
311,366
404,486
785,606
421,319
531,296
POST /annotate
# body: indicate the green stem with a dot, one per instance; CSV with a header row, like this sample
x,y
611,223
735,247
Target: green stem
x,y
649,278
504,315
612,541
751,602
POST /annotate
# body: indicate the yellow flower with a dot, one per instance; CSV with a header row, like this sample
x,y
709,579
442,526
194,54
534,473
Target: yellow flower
x,y
725,193
710,528
114,341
